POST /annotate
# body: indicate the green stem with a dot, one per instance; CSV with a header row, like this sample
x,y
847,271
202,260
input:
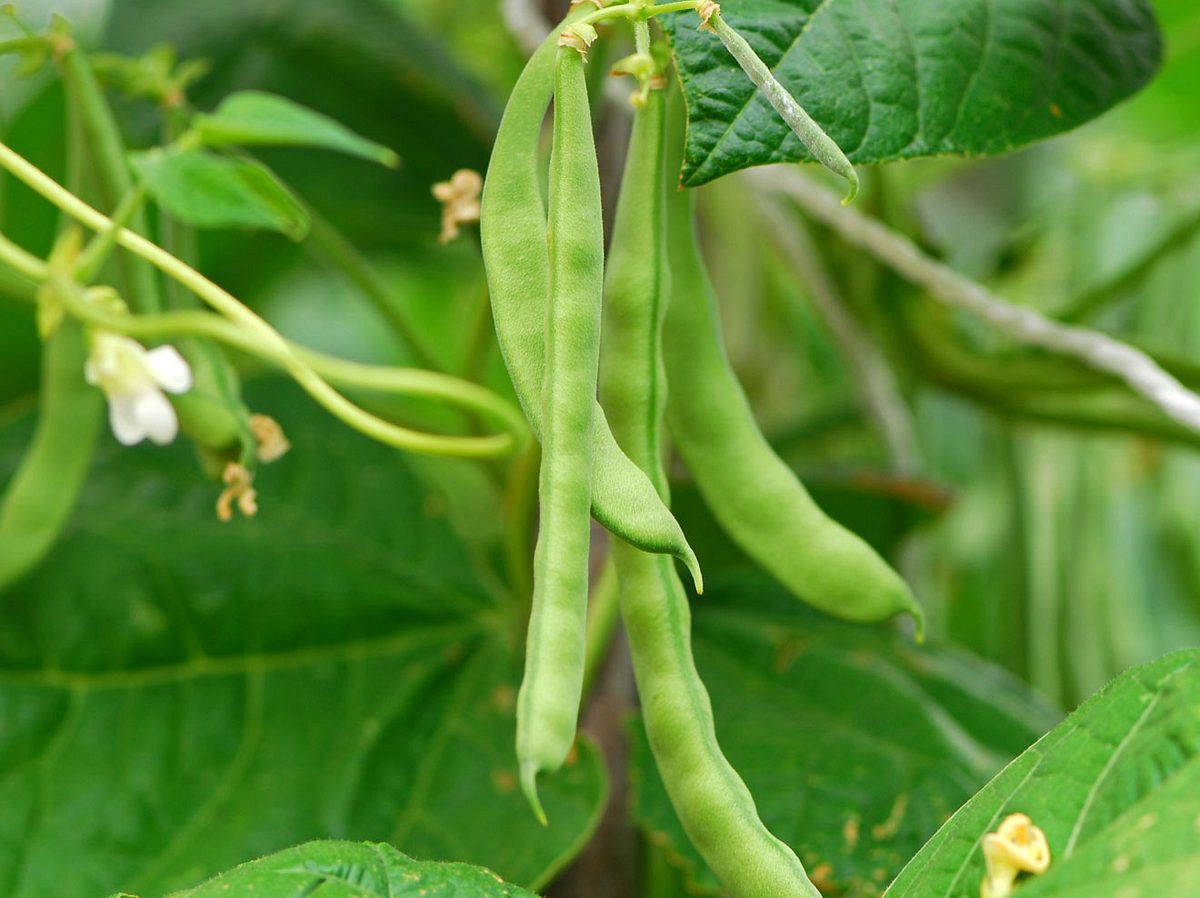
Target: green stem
x,y
176,237
110,167
1025,325
1085,409
641,36
410,382
930,327
22,261
681,6
877,386
97,251
332,244
268,340
621,11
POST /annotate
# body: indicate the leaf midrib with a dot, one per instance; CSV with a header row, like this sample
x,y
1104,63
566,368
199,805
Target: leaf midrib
x,y
208,666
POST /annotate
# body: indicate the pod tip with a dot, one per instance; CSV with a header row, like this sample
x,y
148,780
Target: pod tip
x,y
918,616
852,184
529,772
693,565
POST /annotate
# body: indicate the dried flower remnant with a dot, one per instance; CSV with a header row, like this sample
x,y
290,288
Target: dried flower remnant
x,y
578,37
1016,847
238,490
270,441
460,202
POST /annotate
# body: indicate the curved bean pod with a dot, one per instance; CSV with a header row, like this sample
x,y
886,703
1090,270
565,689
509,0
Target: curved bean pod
x,y
753,494
212,412
713,804
513,227
42,493
548,703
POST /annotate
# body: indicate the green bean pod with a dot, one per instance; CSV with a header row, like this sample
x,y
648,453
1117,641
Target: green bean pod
x,y
513,227
41,495
754,495
713,804
633,380
212,412
548,703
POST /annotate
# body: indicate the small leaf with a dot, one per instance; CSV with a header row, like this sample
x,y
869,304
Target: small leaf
x,y
254,118
210,191
1115,787
354,870
899,80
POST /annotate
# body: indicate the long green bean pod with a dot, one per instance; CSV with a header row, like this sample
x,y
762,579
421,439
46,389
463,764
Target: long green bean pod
x,y
633,381
753,494
548,703
42,492
713,804
513,226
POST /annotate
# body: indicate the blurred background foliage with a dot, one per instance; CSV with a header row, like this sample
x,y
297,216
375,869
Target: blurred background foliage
x,y
1062,552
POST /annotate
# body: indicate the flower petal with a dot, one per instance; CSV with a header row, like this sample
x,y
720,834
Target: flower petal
x,y
170,369
156,415
123,416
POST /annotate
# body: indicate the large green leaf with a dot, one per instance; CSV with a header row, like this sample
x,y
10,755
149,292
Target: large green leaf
x,y
856,744
178,695
898,79
1115,787
354,870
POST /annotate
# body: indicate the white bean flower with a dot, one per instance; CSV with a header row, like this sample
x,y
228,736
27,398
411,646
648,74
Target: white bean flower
x,y
134,378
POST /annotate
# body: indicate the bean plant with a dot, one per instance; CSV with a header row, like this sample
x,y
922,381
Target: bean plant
x,y
459,411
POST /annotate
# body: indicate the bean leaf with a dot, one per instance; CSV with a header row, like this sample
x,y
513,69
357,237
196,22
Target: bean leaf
x,y
856,744
256,118
900,79
340,666
354,870
1115,787
210,191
